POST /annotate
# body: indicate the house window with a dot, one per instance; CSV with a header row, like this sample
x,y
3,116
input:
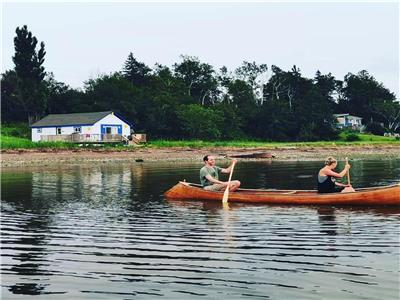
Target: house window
x,y
108,130
39,130
58,130
78,129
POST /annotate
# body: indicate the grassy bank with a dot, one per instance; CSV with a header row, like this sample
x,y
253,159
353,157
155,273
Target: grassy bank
x,y
363,140
17,136
15,143
12,142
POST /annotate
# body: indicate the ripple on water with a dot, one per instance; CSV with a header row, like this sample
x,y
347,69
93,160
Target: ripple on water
x,y
108,233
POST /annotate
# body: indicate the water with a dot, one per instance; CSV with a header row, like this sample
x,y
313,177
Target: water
x,y
106,232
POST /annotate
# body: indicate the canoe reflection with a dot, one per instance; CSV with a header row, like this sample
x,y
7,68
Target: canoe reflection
x,y
327,213
327,219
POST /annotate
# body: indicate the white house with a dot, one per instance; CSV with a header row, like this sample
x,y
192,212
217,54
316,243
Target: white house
x,y
348,121
82,127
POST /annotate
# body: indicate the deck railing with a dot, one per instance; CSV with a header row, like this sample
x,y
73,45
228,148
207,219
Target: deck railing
x,y
83,138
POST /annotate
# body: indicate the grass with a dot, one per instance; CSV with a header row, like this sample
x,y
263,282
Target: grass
x,y
17,136
364,139
12,142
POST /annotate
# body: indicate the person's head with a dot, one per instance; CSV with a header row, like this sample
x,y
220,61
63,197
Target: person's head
x,y
331,162
209,160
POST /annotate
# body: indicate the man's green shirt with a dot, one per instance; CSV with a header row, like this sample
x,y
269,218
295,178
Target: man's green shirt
x,y
213,171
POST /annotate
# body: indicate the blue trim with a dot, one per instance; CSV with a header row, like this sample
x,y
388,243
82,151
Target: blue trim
x,y
72,125
122,119
103,128
69,125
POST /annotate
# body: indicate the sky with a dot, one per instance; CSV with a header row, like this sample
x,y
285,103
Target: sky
x,y
87,39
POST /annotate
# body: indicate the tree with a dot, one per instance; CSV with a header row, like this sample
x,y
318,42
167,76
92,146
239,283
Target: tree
x,y
135,72
389,111
255,75
11,110
114,92
63,99
199,79
362,94
30,74
200,122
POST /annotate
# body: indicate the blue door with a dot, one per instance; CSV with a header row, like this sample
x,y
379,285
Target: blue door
x,y
111,129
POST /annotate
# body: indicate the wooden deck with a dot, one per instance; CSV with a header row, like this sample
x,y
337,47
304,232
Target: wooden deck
x,y
84,138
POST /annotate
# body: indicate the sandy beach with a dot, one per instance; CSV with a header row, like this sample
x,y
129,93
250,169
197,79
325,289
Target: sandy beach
x,y
22,158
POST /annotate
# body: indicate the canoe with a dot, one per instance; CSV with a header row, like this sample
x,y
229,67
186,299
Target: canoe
x,y
374,196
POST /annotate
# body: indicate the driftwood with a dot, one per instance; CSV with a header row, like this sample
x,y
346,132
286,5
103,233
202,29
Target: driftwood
x,y
254,155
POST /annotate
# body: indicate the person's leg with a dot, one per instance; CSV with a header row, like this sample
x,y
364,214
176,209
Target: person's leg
x,y
215,187
234,185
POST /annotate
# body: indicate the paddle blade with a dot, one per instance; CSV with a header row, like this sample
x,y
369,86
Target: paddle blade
x,y
348,189
226,195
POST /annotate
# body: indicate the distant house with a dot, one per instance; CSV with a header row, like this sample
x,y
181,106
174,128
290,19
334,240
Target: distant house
x,y
348,121
94,127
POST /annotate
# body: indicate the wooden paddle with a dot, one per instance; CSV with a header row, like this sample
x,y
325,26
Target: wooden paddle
x,y
348,189
226,193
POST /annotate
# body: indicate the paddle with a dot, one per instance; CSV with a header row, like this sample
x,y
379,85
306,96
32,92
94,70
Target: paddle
x,y
348,189
226,193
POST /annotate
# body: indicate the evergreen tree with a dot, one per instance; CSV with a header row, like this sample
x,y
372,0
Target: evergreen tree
x,y
30,74
135,72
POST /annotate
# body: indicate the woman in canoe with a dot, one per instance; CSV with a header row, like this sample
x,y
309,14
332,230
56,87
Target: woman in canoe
x,y
327,175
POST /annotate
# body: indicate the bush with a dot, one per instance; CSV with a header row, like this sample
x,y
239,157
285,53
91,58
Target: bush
x,y
21,130
352,137
375,128
199,122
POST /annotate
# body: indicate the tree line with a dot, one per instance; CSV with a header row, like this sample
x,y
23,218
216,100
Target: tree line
x,y
193,100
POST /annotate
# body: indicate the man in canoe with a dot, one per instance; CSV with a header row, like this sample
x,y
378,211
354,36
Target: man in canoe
x,y
209,176
326,177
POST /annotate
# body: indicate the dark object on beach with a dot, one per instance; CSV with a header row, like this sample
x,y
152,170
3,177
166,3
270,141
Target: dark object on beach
x,y
254,155
139,160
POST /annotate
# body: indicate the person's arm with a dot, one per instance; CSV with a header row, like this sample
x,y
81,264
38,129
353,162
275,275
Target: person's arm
x,y
338,175
342,184
229,169
213,180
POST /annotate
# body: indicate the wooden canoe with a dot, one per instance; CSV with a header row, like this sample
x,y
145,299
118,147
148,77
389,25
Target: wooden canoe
x,y
374,196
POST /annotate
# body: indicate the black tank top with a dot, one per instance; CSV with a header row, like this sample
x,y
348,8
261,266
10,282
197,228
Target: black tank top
x,y
326,186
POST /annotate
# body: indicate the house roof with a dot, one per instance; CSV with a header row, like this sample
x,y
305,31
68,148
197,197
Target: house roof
x,y
71,119
346,115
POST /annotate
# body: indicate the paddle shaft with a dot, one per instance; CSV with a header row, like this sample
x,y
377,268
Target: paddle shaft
x,y
348,189
226,193
348,172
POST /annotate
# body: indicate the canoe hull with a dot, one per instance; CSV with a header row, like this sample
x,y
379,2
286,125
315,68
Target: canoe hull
x,y
377,196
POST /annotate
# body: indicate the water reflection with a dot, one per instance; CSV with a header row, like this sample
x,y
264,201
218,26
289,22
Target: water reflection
x,y
107,232
326,217
30,260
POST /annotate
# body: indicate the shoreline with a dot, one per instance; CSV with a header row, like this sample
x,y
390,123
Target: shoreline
x,y
51,157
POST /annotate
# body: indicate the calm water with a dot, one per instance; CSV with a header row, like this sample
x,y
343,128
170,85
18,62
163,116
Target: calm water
x,y
106,232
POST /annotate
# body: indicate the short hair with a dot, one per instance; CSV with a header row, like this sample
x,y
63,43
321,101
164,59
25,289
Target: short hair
x,y
205,158
330,160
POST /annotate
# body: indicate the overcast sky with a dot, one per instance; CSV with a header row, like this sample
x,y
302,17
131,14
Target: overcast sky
x,y
86,39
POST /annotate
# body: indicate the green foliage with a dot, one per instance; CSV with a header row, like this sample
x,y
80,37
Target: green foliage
x,y
113,92
11,142
364,140
30,90
363,96
232,128
199,79
192,100
375,128
135,72
200,122
352,137
21,130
